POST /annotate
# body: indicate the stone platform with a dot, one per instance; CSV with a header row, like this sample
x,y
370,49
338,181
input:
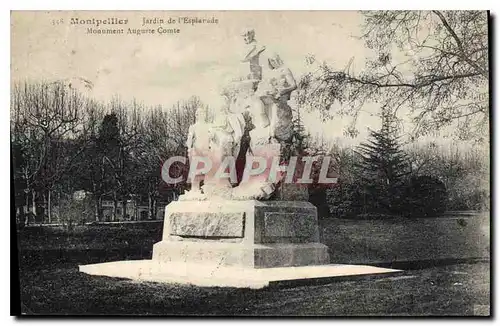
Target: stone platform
x,y
222,276
236,243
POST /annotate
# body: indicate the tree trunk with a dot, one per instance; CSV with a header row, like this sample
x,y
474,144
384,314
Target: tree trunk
x,y
44,207
98,206
124,208
115,208
33,202
26,209
49,203
59,206
136,210
150,207
155,210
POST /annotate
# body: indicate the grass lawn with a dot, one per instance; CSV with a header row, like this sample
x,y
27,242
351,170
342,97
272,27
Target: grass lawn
x,y
51,283
449,290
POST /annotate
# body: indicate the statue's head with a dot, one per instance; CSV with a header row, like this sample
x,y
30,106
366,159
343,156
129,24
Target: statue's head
x,y
201,114
228,92
275,61
220,116
248,36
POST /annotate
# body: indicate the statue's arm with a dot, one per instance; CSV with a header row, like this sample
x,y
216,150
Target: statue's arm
x,y
237,124
256,50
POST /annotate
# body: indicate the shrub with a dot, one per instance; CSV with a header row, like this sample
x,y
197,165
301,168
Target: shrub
x,y
318,197
424,196
463,169
470,193
74,211
344,200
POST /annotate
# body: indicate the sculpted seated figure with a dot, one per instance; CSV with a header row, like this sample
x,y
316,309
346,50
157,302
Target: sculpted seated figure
x,y
272,120
274,91
224,139
246,101
261,144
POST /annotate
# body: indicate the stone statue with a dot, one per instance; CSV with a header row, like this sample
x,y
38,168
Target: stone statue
x,y
252,54
272,119
254,124
225,233
256,187
196,139
225,133
198,145
275,92
224,137
246,102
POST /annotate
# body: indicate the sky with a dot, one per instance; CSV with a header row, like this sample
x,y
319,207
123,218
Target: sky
x,y
163,69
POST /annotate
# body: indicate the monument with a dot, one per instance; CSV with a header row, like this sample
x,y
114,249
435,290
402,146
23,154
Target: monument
x,y
240,229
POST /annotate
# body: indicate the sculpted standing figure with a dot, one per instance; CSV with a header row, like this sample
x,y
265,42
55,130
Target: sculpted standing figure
x,y
198,145
253,52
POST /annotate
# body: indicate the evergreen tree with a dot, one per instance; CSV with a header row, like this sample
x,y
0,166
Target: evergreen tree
x,y
299,135
383,167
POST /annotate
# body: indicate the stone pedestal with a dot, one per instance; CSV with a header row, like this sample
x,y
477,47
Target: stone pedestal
x,y
251,234
248,244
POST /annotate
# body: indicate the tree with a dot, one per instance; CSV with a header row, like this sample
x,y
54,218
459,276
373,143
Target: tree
x,y
300,137
431,64
129,124
383,166
163,134
46,118
149,155
87,173
108,147
17,166
464,172
180,117
341,162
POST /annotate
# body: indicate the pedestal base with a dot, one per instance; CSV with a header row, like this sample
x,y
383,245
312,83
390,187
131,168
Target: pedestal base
x,y
223,276
240,254
237,244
